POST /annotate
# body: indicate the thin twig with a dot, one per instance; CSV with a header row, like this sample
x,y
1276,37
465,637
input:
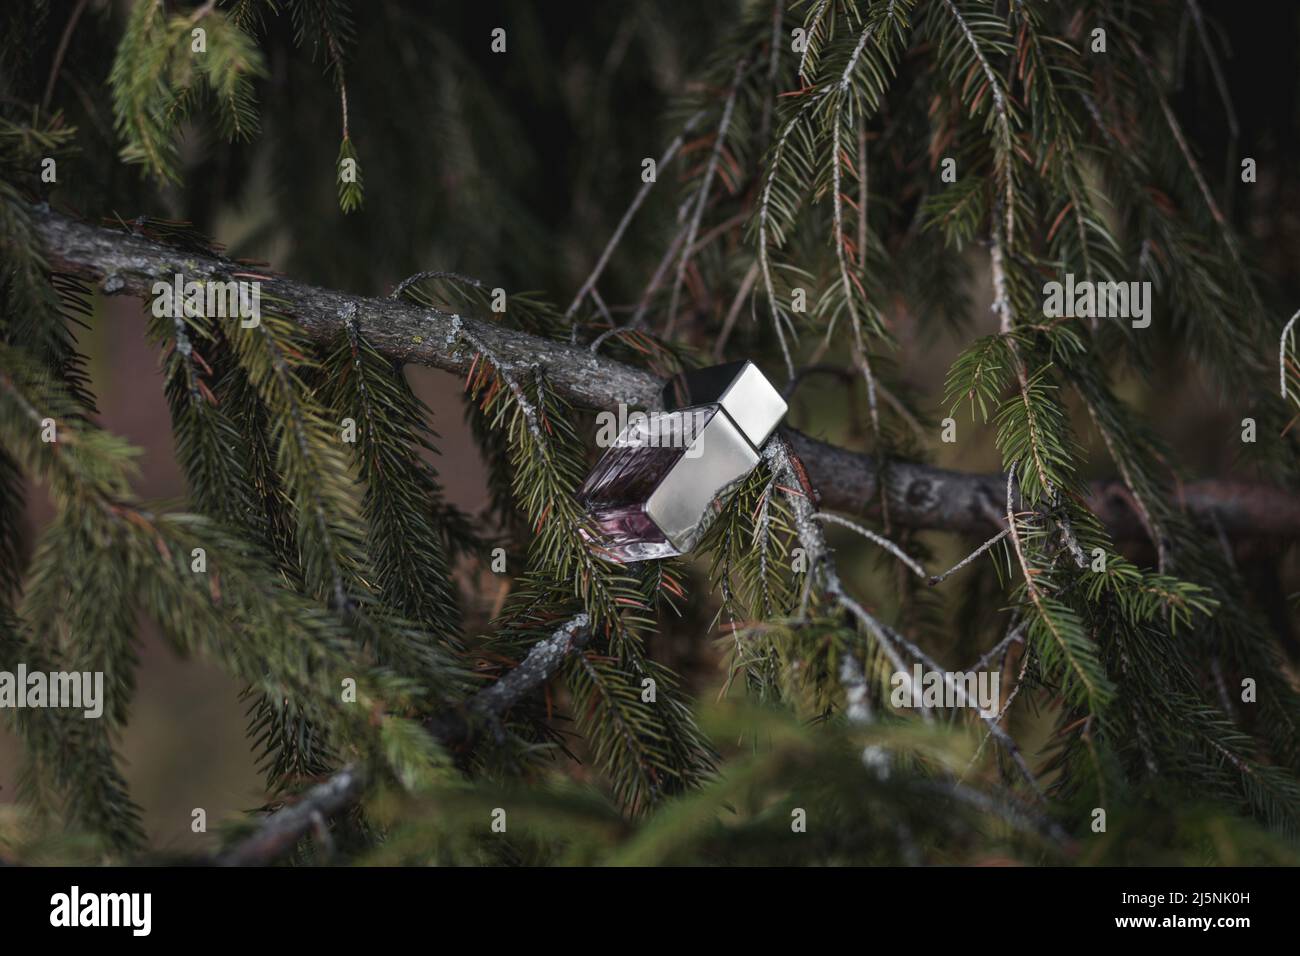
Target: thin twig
x,y
940,578
1220,82
895,550
411,280
815,23
543,660
280,832
861,356
59,53
719,140
746,287
1003,117
1002,712
1281,351
640,197
638,316
764,214
1001,736
773,65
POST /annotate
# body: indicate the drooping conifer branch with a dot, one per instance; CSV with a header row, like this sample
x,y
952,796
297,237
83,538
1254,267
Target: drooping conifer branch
x,y
892,643
281,831
919,496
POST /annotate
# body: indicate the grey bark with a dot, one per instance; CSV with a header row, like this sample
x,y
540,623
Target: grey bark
x,y
279,832
919,496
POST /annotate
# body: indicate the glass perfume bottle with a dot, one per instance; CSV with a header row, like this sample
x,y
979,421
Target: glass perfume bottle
x,y
658,488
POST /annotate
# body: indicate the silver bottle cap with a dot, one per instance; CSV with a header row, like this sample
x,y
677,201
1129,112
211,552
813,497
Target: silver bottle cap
x,y
744,393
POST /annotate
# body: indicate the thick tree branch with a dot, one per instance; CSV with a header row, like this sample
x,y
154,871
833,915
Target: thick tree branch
x,y
919,496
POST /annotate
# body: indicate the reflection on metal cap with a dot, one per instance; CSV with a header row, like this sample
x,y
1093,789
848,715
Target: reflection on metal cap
x,y
744,393
686,500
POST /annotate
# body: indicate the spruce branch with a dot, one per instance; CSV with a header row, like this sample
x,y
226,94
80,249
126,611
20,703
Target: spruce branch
x,y
894,645
281,830
814,30
919,496
541,664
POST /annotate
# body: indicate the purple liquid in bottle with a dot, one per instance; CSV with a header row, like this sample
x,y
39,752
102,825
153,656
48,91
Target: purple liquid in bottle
x,y
615,493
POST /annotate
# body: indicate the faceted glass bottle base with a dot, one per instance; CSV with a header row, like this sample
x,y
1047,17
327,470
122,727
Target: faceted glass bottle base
x,y
627,534
616,492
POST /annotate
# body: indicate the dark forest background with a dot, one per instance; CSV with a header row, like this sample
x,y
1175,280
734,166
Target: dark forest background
x,y
539,155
